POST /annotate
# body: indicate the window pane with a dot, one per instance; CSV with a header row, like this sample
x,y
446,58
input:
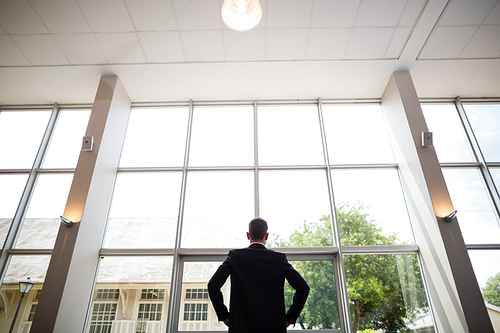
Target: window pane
x,y
144,210
21,133
289,198
495,173
487,273
485,122
218,208
449,138
198,314
11,190
21,267
386,293
476,217
222,136
356,134
155,137
130,275
47,204
289,135
66,143
371,207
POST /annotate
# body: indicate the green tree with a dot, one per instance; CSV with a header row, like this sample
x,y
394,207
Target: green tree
x,y
382,294
491,293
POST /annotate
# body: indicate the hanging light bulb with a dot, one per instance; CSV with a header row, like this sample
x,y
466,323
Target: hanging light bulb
x,y
241,15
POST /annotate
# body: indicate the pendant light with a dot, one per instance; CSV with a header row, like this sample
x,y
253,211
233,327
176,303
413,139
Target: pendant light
x,y
241,15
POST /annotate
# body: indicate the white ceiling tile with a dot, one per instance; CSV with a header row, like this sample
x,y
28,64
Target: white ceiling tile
x,y
81,48
107,16
203,45
368,43
40,49
376,13
10,55
484,44
447,42
244,46
289,13
121,47
152,14
162,46
327,43
61,16
397,42
198,14
411,12
18,17
334,13
494,15
286,44
464,12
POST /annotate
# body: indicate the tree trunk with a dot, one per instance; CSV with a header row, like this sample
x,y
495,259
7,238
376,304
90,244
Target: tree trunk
x,y
357,315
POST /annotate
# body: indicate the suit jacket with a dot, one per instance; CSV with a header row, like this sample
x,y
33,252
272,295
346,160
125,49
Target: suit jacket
x,y
257,303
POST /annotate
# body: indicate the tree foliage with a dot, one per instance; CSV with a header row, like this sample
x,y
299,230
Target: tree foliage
x,y
491,293
384,290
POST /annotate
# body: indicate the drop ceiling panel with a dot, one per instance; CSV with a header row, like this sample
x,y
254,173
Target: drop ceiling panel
x,y
334,13
244,47
288,13
494,15
149,15
107,16
447,42
18,17
202,45
121,47
385,13
327,43
397,43
61,16
10,55
411,12
40,49
286,44
2,31
464,12
81,48
481,45
162,46
199,15
369,43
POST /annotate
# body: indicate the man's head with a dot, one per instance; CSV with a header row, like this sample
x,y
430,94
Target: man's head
x,y
257,230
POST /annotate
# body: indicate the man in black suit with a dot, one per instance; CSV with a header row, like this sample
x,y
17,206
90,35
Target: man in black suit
x,y
258,276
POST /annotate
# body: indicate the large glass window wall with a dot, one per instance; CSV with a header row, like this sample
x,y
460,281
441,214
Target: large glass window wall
x,y
467,143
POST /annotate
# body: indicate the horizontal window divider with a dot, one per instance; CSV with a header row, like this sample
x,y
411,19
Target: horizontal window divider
x,y
461,165
364,166
135,252
493,164
56,170
149,169
379,249
291,167
261,167
43,107
483,247
8,171
220,168
308,331
31,252
437,100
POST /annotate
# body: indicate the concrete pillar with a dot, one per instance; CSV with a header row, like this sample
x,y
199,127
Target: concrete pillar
x,y
455,295
66,294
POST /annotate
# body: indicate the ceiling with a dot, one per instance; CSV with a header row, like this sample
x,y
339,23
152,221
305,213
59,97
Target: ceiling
x,y
171,50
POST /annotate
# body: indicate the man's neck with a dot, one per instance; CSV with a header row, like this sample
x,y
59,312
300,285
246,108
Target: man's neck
x,y
257,242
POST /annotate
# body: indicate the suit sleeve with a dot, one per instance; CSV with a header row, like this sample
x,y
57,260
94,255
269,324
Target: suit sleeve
x,y
214,288
301,292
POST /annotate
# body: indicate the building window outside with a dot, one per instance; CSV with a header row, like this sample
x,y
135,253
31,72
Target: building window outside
x,y
104,313
148,312
34,305
195,311
196,293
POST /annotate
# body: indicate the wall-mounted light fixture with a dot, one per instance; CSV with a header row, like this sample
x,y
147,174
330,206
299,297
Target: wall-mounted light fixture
x,y
67,222
241,15
450,216
24,288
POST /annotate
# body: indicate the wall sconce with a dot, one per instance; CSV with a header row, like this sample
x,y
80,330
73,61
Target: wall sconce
x,y
67,222
450,216
241,15
24,288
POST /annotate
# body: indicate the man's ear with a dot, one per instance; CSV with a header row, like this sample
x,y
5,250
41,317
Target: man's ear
x,y
267,235
248,236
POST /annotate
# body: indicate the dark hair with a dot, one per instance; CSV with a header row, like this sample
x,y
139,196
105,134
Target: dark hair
x,y
257,228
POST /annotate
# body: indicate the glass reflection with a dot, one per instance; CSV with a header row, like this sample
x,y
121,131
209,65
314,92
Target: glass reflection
x,y
485,122
476,217
386,293
131,295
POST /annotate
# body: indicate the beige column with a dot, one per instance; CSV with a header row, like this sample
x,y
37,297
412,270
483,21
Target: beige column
x,y
66,294
455,295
